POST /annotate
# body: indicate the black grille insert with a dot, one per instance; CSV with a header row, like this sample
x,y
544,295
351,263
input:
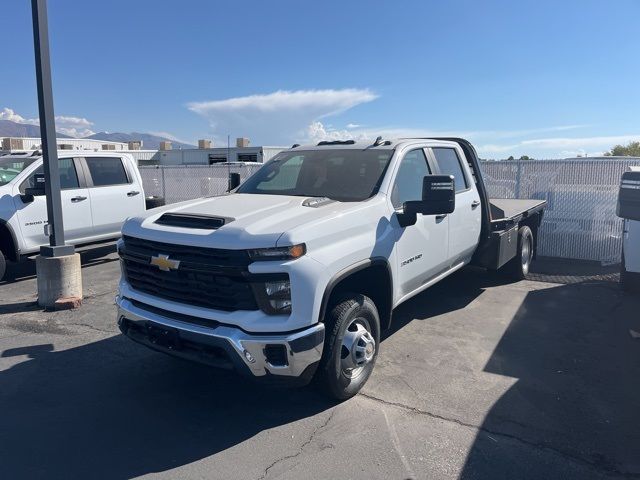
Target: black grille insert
x,y
206,277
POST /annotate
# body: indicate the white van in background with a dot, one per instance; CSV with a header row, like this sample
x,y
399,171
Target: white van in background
x,y
629,210
100,190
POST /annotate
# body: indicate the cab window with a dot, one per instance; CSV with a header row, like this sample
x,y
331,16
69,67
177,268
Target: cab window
x,y
107,171
408,182
67,171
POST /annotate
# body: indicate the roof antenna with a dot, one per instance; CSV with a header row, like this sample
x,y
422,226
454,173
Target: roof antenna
x,y
378,141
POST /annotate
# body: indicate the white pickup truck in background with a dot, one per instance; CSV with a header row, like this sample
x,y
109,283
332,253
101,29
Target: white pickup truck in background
x,y
99,191
629,210
296,273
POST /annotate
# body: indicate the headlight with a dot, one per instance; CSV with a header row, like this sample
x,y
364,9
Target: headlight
x,y
274,296
278,253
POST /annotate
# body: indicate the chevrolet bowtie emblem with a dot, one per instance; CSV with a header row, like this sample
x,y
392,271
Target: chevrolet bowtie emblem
x,y
164,263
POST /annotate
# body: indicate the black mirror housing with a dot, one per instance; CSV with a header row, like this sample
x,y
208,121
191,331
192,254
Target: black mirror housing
x,y
234,181
438,198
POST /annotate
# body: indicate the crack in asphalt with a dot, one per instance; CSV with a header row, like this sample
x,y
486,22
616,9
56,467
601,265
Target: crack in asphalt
x,y
301,448
90,327
540,446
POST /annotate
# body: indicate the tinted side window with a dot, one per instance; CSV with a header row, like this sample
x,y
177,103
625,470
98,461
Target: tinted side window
x,y
449,164
68,175
107,171
408,183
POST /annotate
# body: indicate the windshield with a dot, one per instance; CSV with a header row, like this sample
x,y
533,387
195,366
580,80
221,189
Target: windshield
x,y
345,175
11,167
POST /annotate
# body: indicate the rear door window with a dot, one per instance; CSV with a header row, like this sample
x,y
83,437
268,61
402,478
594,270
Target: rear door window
x,y
450,164
107,171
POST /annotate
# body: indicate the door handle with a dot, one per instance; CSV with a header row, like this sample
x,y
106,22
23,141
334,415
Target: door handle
x,y
132,193
440,217
78,199
475,203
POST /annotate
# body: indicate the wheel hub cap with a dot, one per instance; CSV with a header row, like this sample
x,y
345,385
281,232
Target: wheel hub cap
x,y
358,349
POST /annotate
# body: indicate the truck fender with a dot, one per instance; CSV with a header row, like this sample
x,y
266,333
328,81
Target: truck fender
x,y
382,296
8,243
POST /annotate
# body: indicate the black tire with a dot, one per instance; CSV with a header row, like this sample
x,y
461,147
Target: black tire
x,y
154,202
518,267
354,313
3,265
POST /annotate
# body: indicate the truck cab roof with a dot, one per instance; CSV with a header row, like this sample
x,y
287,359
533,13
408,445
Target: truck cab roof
x,y
383,144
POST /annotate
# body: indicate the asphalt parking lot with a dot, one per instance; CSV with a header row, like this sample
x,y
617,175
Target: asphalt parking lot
x,y
478,379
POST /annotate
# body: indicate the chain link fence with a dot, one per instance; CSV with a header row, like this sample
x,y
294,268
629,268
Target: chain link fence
x,y
177,183
579,222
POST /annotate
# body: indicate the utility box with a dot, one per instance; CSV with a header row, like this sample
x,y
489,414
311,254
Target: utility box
x,y
135,145
12,144
164,145
108,146
242,142
202,144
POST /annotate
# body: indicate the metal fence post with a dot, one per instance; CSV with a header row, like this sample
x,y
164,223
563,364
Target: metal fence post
x,y
164,190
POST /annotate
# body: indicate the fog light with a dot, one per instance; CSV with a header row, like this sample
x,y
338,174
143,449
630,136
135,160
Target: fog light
x,y
249,357
281,305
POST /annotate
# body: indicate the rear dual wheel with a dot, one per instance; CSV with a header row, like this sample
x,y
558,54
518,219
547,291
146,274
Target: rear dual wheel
x,y
351,347
519,266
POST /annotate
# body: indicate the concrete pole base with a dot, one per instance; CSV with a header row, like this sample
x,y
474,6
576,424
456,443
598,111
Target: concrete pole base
x,y
59,281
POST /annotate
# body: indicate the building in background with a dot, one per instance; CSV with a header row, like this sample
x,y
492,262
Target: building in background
x,y
20,144
205,154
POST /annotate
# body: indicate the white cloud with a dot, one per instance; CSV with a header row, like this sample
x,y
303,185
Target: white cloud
x,y
353,125
73,126
9,114
557,147
278,117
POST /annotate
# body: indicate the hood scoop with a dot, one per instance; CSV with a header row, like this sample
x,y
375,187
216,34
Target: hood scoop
x,y
315,202
189,220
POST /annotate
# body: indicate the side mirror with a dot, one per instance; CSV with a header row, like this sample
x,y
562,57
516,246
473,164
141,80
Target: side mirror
x,y
38,186
234,181
438,198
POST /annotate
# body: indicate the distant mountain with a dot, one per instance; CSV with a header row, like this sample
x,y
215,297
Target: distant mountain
x,y
149,142
13,129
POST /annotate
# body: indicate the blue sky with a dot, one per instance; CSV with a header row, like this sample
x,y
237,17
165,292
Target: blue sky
x,y
542,78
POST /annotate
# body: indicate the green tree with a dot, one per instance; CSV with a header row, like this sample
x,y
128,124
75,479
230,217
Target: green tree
x,y
632,149
525,157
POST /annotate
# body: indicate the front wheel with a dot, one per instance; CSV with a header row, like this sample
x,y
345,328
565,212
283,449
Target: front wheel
x,y
351,347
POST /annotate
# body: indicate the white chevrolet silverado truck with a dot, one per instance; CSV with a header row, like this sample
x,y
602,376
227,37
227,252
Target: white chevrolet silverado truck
x,y
295,273
99,190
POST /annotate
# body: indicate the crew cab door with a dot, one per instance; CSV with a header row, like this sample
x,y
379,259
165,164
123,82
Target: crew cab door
x,y
115,193
421,249
466,220
76,207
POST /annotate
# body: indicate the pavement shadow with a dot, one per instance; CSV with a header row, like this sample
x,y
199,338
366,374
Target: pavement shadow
x,y
577,394
26,269
107,410
452,293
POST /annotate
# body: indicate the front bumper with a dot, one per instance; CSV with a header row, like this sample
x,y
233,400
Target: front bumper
x,y
286,356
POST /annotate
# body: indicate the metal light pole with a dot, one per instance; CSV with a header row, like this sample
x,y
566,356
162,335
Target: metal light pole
x,y
58,267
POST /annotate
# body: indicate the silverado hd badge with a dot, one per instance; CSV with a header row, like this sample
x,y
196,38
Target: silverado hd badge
x,y
164,263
